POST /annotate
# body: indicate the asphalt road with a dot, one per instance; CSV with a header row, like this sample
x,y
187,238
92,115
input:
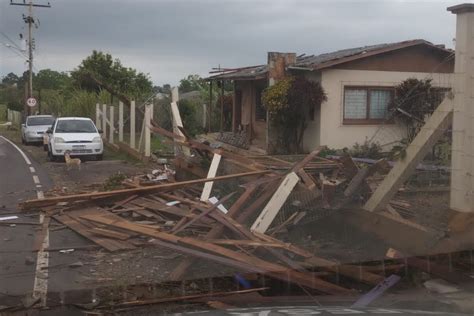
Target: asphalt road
x,y
20,179
28,271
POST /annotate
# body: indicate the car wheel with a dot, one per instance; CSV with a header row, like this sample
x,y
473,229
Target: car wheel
x,y
99,157
52,157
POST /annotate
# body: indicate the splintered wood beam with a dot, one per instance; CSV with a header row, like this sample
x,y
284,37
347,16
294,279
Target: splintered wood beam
x,y
206,191
37,203
268,214
433,129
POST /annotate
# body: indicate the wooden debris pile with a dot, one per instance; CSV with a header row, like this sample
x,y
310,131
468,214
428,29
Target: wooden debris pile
x,y
231,229
236,228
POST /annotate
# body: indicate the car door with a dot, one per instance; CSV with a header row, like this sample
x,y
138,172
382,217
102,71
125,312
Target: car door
x,y
51,135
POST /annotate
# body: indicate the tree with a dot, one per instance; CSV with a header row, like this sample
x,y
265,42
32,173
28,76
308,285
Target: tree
x,y
100,71
290,102
10,79
414,101
50,79
191,83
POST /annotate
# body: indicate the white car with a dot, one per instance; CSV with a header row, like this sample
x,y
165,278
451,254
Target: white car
x,y
35,127
78,135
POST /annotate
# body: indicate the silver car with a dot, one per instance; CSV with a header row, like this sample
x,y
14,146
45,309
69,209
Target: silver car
x,y
35,127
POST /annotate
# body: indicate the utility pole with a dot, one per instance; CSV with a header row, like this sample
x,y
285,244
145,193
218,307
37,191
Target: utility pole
x,y
30,20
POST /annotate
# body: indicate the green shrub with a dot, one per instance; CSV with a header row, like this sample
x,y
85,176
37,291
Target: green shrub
x,y
368,149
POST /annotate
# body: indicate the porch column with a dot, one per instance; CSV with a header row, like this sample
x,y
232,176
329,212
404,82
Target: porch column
x,y
462,161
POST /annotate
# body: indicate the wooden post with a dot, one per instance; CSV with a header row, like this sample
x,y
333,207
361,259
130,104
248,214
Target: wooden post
x,y
206,191
120,121
104,121
111,124
146,124
132,124
98,122
462,152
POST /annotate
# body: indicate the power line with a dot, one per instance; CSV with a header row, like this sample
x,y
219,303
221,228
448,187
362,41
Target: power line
x,y
10,40
16,52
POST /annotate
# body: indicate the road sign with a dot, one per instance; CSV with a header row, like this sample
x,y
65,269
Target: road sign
x,y
31,102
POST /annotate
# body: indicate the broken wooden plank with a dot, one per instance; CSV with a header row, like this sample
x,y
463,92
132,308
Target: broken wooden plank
x,y
204,213
116,306
433,129
206,191
272,269
36,203
109,233
235,211
83,230
270,211
245,242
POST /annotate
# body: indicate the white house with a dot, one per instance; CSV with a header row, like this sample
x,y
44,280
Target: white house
x,y
359,84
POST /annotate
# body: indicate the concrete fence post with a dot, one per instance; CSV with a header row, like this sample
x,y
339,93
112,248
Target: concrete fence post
x,y
111,124
97,116
132,124
204,115
120,121
104,121
147,123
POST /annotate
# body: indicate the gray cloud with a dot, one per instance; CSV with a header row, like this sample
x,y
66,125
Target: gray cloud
x,y
170,39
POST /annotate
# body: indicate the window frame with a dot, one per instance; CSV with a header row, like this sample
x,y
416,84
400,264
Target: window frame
x,y
367,120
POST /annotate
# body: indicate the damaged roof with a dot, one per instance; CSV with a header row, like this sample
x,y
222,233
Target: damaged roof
x,y
315,62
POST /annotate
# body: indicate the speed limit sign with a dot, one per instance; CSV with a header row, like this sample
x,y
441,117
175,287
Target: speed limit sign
x,y
31,102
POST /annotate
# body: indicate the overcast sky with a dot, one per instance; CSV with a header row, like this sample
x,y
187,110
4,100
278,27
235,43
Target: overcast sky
x,y
170,39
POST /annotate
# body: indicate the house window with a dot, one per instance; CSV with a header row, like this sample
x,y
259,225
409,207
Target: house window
x,y
366,105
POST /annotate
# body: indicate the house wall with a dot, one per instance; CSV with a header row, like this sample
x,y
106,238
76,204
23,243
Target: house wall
x,y
336,135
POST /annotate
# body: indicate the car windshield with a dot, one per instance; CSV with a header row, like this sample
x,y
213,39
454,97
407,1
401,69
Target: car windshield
x,y
75,126
38,121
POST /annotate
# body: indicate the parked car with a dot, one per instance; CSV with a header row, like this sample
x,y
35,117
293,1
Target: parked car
x,y
78,135
35,126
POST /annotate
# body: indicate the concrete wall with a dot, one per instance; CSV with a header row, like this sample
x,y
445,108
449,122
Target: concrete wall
x,y
332,132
